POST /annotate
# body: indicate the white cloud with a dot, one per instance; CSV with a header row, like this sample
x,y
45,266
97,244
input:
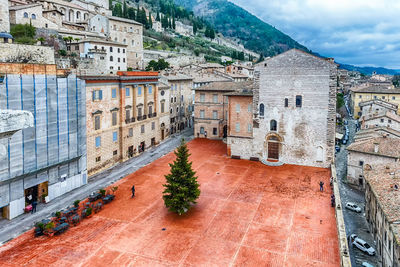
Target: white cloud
x,y
363,32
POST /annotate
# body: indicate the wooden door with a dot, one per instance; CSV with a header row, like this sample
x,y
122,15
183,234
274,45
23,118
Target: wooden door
x,y
273,150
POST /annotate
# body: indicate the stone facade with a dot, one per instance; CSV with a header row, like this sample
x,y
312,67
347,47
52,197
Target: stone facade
x,y
181,107
388,120
377,107
30,14
294,111
373,151
125,31
122,117
183,29
382,205
19,53
4,16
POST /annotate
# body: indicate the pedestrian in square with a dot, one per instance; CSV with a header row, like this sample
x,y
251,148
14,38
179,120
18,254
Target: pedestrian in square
x,y
133,190
321,186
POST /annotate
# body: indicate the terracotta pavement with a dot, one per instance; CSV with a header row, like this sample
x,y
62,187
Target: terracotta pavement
x,y
248,214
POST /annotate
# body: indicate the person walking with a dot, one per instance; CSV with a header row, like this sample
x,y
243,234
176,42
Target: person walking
x,y
133,191
321,186
34,204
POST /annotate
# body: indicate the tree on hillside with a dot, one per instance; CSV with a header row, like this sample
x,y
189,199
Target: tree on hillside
x,y
117,10
131,13
194,27
261,58
158,16
125,10
150,21
173,23
182,189
161,64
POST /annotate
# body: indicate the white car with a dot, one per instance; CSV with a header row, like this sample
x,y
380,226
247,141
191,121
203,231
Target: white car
x,y
362,245
353,207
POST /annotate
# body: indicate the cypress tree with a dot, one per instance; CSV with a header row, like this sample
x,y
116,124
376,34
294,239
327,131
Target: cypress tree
x,y
173,23
150,21
181,190
158,16
169,23
194,27
125,10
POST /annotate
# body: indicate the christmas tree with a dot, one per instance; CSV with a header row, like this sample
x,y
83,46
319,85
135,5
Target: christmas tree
x,y
181,189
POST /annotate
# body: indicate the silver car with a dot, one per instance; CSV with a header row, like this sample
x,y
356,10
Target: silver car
x,y
353,207
362,245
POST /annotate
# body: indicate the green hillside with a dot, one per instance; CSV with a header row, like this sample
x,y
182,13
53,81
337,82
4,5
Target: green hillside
x,y
233,21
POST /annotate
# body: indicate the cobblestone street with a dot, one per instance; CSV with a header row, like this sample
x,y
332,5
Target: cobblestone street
x,y
355,222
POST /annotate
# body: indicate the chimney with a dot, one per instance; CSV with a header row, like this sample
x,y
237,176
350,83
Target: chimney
x,y
376,147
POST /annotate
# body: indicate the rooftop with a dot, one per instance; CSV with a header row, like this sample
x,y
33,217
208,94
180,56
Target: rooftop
x,y
376,89
124,20
382,178
248,214
176,76
379,102
387,146
227,86
211,65
19,7
208,77
388,114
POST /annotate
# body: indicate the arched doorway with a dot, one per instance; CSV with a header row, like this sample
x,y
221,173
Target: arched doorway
x,y
273,147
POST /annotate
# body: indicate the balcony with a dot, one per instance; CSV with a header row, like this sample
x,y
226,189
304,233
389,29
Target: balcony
x,y
144,117
130,120
150,115
155,114
139,118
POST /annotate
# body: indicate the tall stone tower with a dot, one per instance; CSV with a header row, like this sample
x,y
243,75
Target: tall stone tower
x,y
4,16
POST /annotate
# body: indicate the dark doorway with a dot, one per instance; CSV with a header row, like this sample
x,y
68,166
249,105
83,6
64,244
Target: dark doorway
x,y
31,194
225,131
153,141
162,134
130,151
142,147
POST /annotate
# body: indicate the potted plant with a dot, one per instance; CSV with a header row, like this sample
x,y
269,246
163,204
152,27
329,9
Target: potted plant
x,y
39,228
102,192
76,203
48,229
44,198
88,212
58,214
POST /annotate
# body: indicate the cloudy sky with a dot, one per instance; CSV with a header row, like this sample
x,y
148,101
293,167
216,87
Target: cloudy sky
x,y
358,32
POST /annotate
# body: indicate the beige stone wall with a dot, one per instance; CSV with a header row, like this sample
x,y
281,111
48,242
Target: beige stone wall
x,y
4,16
132,35
381,122
180,100
35,17
19,53
243,118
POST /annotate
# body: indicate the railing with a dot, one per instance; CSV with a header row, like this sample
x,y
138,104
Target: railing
x,y
155,114
144,117
130,120
139,118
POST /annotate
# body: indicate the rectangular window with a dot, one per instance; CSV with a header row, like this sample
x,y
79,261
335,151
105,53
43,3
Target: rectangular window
x,y
215,132
215,114
114,118
382,120
114,93
215,98
98,159
202,114
286,102
97,122
360,96
127,91
97,95
249,107
150,110
162,107
249,126
299,101
115,152
142,129
361,163
202,97
202,130
115,136
128,114
375,97
98,141
139,90
237,127
237,108
153,125
130,132
393,98
139,112
150,89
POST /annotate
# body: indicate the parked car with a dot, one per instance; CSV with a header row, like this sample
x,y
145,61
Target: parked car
x,y
337,148
353,207
344,141
346,122
366,264
362,245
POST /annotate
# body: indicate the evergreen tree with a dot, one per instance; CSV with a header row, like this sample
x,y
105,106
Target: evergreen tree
x,y
144,17
181,190
207,32
158,16
241,56
170,23
211,33
173,23
110,6
194,27
164,22
150,21
131,13
117,10
125,10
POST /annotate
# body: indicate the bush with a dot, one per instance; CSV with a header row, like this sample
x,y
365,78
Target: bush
x,y
40,225
49,226
88,211
102,192
73,54
58,214
62,52
76,203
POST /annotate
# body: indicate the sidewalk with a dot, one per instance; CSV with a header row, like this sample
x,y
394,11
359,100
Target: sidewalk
x,y
15,227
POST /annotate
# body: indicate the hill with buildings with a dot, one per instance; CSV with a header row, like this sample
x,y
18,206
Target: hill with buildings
x,y
235,22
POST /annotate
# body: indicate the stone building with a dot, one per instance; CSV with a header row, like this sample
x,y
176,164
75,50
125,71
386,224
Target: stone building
x,y
373,151
181,107
164,109
389,120
377,107
30,14
211,108
186,30
364,134
243,69
382,210
49,159
114,53
4,16
125,31
294,112
123,117
372,92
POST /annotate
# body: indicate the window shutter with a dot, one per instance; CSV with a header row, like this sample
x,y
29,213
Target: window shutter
x,y
100,94
93,95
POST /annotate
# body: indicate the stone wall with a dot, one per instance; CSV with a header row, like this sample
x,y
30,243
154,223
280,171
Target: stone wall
x,y
19,53
4,16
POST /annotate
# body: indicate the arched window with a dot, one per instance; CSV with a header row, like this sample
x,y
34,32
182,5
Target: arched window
x,y
25,15
111,58
33,16
261,109
320,153
273,125
78,15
